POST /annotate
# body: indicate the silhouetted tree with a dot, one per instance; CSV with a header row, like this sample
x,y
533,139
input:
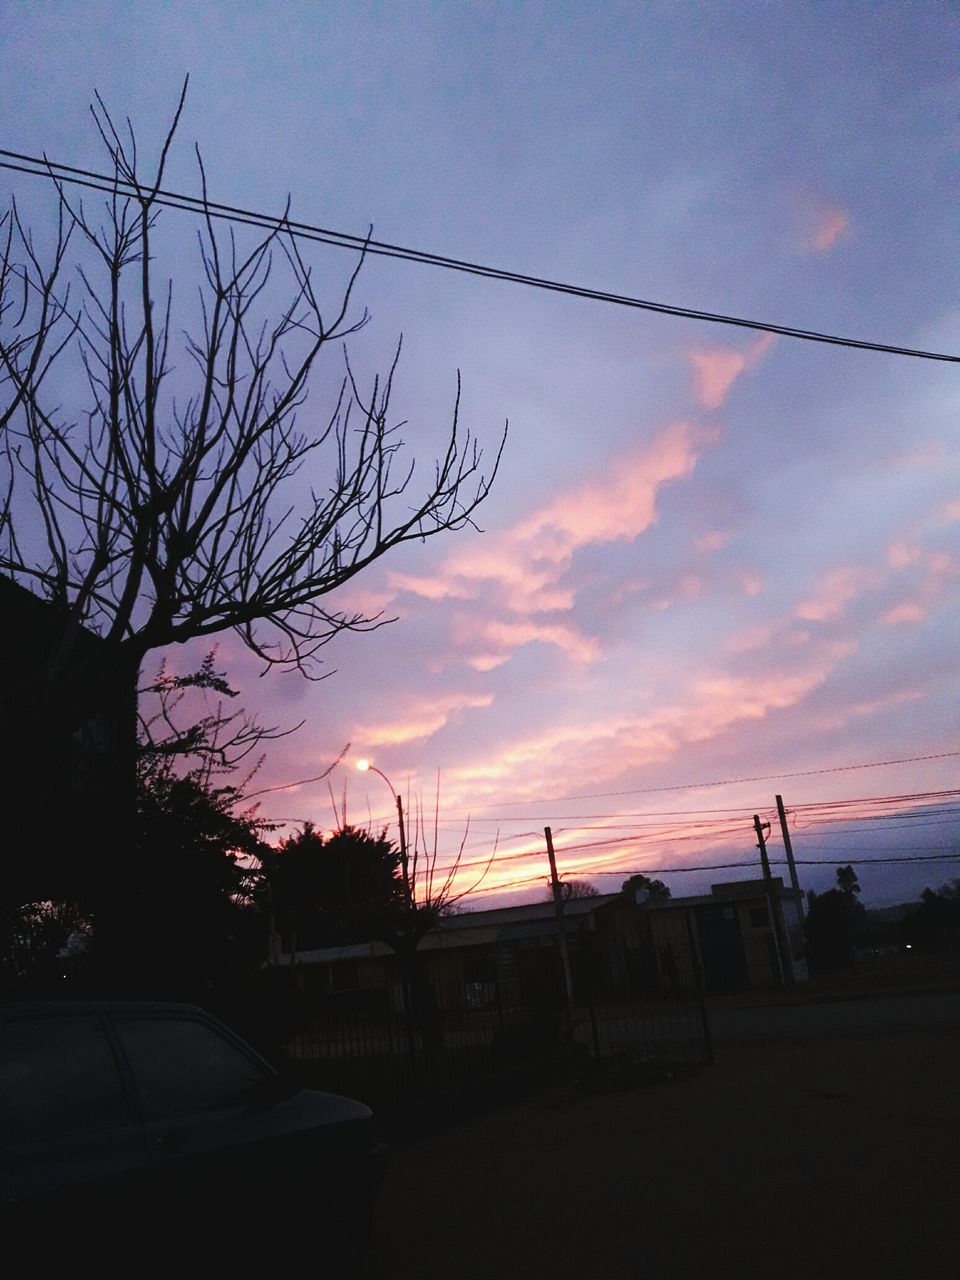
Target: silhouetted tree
x,y
574,889
833,924
42,946
655,889
153,497
331,891
173,726
847,881
351,886
934,927
195,917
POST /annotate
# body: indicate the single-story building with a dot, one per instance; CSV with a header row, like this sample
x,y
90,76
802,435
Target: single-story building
x,y
743,934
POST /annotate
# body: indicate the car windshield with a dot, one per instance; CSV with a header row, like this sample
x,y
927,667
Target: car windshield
x,y
182,1065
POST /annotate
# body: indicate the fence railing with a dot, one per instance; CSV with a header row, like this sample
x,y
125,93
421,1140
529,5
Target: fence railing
x,y
392,1038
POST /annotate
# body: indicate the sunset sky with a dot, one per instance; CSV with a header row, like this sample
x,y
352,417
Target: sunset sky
x,y
711,554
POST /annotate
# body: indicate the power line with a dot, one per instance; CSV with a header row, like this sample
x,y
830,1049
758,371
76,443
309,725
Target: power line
x,y
850,831
38,166
719,866
729,782
689,786
945,856
712,830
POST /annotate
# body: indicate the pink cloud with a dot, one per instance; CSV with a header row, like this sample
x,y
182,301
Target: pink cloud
x,y
520,572
513,635
907,612
831,227
835,592
752,582
616,508
489,661
902,553
919,455
951,511
427,588
838,716
689,587
631,739
423,720
763,634
756,637
628,589
715,369
712,541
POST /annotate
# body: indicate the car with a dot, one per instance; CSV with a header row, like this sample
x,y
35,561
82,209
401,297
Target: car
x,y
122,1123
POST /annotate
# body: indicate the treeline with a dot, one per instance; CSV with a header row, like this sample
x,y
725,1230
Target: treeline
x,y
837,925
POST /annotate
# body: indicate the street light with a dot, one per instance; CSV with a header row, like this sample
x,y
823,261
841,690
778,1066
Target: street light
x,y
365,766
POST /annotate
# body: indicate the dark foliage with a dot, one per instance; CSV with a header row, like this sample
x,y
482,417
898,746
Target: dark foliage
x,y
934,928
333,891
834,924
656,889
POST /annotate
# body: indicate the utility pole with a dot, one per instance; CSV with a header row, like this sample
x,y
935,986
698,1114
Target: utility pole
x,y
561,931
403,855
788,849
771,905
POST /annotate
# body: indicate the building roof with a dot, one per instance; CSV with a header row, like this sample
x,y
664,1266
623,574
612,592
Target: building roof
x,y
533,920
473,929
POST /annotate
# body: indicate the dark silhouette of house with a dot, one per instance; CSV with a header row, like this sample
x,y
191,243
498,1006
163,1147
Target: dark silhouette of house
x,y
70,738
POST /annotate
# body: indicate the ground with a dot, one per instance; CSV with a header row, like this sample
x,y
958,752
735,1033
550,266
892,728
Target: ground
x,y
823,1143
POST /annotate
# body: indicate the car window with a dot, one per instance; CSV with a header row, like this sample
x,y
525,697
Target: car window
x,y
58,1077
181,1066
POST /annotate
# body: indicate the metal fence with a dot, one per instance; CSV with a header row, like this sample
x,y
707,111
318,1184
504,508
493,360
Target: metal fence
x,y
384,1036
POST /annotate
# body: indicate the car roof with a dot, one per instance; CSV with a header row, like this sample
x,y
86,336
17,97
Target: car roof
x,y
98,1006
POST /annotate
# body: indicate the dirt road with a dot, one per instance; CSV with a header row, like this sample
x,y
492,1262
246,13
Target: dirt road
x,y
823,1158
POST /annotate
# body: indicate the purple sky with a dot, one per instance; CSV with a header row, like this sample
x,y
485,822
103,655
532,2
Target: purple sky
x,y
710,554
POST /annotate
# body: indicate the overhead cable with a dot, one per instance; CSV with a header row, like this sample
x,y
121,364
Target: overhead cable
x,y
40,166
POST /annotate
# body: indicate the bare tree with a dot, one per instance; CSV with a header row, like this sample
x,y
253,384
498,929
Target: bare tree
x,y
168,514
154,490
573,889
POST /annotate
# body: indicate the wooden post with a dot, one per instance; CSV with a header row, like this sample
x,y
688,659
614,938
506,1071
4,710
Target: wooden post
x,y
782,971
561,931
408,899
788,849
701,992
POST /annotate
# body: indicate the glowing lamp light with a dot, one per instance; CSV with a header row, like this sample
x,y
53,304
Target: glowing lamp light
x,y
363,765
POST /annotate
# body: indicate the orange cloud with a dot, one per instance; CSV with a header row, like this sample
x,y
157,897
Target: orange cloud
x,y
715,369
829,230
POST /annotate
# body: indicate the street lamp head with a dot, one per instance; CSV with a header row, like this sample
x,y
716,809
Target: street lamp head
x,y
363,765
